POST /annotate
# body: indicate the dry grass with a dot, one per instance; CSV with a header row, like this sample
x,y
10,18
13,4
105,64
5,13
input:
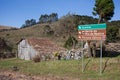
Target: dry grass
x,y
13,36
5,27
68,68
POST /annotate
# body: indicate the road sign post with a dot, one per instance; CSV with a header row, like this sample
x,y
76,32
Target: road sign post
x,y
82,58
101,57
92,32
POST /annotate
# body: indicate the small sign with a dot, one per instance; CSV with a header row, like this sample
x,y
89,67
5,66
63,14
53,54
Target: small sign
x,y
92,27
92,32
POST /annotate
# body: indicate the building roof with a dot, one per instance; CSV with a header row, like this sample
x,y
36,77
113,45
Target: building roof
x,y
44,45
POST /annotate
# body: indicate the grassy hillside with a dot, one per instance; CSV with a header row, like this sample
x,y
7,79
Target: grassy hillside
x,y
59,30
5,27
13,36
68,68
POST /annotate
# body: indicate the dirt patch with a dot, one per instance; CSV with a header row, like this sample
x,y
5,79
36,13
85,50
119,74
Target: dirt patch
x,y
9,75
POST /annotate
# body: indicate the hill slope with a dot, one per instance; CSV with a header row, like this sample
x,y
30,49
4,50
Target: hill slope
x,y
57,31
5,27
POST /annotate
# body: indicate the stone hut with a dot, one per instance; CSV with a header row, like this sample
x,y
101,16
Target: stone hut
x,y
29,48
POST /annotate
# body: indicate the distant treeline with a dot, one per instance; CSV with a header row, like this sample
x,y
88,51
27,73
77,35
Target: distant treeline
x,y
48,18
43,19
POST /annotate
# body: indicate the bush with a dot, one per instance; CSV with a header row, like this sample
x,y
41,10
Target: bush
x,y
37,58
55,54
14,68
112,34
7,55
71,42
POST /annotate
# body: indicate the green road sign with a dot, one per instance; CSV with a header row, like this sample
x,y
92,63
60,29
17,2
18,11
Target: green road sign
x,y
92,27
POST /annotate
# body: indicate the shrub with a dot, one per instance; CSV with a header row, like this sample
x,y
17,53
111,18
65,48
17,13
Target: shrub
x,y
55,54
14,68
112,33
37,58
71,42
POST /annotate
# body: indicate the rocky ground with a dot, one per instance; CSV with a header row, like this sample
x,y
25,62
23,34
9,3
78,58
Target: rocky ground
x,y
113,47
8,75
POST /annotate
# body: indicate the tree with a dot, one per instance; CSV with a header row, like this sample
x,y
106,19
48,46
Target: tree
x,y
70,42
53,17
32,22
105,9
5,48
29,23
48,18
43,18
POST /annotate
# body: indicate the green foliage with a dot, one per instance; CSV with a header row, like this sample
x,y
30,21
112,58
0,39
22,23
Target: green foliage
x,y
14,68
71,42
114,23
70,22
6,49
81,20
104,8
48,18
29,23
112,33
5,46
55,54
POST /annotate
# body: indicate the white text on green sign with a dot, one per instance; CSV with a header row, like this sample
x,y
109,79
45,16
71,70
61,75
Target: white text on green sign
x,y
92,27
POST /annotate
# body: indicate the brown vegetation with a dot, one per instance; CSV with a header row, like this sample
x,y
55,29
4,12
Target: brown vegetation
x,y
59,30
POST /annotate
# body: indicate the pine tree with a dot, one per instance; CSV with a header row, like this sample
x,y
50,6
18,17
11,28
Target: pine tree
x,y
105,9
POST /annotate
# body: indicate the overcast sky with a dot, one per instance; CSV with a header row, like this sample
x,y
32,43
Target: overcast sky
x,y
15,12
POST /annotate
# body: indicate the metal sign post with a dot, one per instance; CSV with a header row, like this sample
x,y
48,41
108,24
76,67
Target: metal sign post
x,y
82,58
101,57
